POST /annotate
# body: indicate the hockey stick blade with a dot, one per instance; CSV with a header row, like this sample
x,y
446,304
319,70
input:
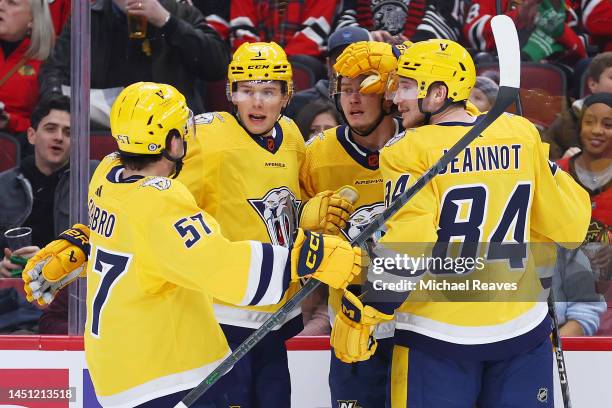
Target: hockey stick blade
x,y
506,39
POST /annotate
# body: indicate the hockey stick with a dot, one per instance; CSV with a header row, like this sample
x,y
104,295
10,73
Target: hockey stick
x,y
556,338
509,61
558,350
519,105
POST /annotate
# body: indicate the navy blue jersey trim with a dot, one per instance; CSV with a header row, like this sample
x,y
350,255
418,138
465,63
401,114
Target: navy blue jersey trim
x,y
269,143
476,352
362,155
478,119
114,176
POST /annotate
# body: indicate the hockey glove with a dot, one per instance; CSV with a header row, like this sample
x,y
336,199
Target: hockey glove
x,y
376,59
352,335
327,258
56,265
329,211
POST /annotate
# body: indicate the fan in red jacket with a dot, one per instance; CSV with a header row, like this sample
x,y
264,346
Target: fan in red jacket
x,y
60,11
596,18
300,27
26,39
592,169
545,27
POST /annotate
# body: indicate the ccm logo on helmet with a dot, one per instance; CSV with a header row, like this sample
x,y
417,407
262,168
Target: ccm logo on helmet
x,y
258,66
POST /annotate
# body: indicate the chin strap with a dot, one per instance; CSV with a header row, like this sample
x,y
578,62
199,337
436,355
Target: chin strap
x,y
428,114
178,161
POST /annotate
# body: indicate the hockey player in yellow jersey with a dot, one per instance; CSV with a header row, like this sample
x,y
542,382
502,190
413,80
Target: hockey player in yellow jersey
x,y
156,259
348,155
497,195
244,171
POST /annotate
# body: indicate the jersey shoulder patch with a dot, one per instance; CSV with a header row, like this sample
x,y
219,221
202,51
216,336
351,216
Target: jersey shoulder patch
x,y
318,136
396,138
207,118
159,183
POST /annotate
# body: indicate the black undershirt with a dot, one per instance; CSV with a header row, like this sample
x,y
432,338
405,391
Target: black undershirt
x,y
43,189
128,62
9,47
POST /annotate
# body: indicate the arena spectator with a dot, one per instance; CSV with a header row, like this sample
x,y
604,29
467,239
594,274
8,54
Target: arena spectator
x,y
300,27
578,306
315,315
60,11
396,21
596,18
484,93
179,47
216,14
317,116
563,133
336,43
36,194
545,28
592,168
26,40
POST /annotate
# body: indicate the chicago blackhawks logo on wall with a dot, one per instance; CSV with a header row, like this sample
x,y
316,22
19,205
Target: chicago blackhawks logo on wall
x,y
278,210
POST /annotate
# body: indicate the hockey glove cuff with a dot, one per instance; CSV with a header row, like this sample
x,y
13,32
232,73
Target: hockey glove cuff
x,y
352,334
57,264
329,211
329,259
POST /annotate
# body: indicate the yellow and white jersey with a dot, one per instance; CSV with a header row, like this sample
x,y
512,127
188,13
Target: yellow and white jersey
x,y
498,193
250,186
333,160
156,261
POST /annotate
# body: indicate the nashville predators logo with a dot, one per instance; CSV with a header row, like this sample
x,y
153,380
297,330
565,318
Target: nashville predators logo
x,y
361,218
278,210
160,183
348,404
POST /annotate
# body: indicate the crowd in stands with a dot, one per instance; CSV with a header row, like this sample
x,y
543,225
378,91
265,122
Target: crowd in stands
x,y
567,90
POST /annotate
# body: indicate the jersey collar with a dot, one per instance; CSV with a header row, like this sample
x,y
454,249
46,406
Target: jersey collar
x,y
455,123
115,175
270,143
365,157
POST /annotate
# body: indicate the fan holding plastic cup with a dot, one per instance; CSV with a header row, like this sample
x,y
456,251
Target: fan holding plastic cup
x,y
142,12
20,248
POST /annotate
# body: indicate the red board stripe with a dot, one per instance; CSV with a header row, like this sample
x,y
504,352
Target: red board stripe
x,y
75,343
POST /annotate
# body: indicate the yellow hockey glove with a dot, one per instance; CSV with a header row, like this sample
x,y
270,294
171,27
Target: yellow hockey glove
x,y
374,58
472,109
354,325
327,258
56,265
329,211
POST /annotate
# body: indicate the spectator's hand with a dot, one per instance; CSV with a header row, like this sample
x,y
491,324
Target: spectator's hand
x,y
7,267
398,39
572,151
154,12
385,36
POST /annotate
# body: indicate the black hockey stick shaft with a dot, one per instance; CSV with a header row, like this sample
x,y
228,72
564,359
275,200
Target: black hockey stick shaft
x,y
558,351
505,97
